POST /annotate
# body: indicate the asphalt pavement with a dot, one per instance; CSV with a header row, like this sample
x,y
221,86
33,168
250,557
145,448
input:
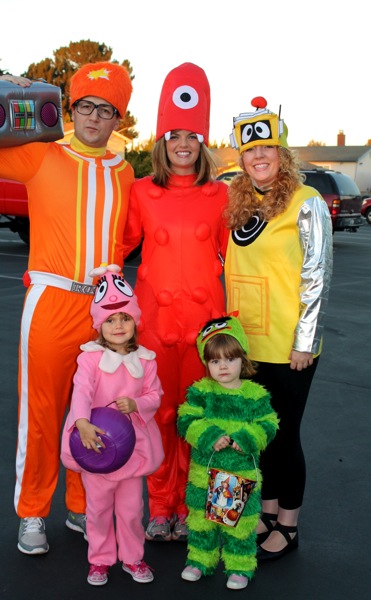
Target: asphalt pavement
x,y
332,561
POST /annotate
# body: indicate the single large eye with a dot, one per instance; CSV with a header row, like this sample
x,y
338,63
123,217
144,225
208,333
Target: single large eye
x,y
101,290
185,97
123,287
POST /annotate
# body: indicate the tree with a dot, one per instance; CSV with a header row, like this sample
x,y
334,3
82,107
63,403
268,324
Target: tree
x,y
314,143
67,60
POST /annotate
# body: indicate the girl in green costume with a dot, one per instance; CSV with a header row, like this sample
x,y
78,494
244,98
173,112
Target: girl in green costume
x,y
227,420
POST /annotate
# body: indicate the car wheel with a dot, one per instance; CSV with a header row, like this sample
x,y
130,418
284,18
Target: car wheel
x,y
368,215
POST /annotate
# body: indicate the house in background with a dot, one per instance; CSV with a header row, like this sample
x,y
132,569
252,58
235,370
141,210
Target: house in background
x,y
354,161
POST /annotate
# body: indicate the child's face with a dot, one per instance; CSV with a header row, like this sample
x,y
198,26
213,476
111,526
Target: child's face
x,y
117,330
226,371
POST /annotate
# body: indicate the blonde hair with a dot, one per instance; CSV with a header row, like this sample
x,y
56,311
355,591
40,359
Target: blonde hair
x,y
224,345
205,165
243,202
130,346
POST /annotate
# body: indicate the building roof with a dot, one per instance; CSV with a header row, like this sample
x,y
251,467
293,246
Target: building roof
x,y
339,154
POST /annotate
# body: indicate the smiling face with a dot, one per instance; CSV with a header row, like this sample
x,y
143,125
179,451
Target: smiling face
x,y
117,330
183,150
262,164
92,130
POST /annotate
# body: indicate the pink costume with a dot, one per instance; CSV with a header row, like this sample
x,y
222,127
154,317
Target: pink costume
x,y
102,376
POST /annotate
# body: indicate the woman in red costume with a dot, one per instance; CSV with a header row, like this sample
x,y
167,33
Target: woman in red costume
x,y
178,213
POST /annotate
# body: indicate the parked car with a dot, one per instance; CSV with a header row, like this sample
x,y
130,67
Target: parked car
x,y
14,211
14,208
366,210
341,193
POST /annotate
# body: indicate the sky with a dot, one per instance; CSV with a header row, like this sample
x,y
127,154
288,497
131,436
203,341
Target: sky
x,y
311,58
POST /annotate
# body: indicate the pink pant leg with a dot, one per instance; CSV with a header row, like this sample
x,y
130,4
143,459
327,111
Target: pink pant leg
x,y
100,500
129,515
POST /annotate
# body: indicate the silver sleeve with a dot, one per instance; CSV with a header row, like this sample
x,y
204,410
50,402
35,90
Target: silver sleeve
x,y
315,233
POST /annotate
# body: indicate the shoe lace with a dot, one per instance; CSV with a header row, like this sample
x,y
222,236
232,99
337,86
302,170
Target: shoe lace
x,y
101,569
141,567
32,524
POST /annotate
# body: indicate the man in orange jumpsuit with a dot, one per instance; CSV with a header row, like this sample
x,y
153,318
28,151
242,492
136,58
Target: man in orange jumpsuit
x,y
78,197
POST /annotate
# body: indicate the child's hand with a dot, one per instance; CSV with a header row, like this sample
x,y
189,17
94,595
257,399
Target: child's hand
x,y
234,445
221,443
225,441
89,435
126,405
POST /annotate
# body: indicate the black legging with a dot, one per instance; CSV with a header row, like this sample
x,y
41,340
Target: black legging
x,y
283,463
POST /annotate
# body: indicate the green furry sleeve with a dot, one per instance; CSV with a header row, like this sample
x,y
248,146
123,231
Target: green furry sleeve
x,y
197,430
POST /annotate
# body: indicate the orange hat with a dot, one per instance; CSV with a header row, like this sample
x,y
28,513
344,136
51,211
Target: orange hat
x,y
185,102
105,80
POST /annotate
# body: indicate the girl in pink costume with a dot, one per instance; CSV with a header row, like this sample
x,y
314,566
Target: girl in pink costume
x,y
114,370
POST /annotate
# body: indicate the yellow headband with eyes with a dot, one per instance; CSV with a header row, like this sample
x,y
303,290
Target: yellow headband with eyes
x,y
260,128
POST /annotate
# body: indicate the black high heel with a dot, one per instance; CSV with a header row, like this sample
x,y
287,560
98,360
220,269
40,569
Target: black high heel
x,y
292,543
266,519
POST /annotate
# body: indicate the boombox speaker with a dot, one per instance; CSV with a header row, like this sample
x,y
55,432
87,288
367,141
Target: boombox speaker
x,y
32,114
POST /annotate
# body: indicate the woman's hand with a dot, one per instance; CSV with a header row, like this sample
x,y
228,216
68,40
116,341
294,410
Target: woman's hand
x,y
17,79
89,435
126,405
300,360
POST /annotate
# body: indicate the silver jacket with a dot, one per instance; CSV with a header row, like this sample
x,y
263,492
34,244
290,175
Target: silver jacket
x,y
315,232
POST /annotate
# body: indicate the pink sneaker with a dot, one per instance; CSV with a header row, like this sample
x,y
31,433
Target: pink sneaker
x,y
139,571
98,574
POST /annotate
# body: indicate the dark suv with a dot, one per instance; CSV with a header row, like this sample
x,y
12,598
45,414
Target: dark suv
x,y
342,195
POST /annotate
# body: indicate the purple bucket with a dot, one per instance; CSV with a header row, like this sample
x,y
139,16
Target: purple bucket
x,y
119,439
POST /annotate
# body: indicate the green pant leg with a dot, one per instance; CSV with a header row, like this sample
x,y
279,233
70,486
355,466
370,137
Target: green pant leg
x,y
203,542
239,547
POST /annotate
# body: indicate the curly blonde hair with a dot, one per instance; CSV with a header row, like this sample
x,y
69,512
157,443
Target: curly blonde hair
x,y
205,165
243,202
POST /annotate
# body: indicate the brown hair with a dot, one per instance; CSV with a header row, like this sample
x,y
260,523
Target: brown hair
x,y
224,345
205,165
130,346
243,202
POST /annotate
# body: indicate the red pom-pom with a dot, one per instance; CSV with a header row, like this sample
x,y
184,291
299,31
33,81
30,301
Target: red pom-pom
x,y
259,102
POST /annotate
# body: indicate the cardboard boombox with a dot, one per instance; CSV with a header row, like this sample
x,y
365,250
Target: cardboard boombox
x,y
32,114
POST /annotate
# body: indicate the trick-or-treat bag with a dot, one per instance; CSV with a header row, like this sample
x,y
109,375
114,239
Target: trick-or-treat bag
x,y
227,496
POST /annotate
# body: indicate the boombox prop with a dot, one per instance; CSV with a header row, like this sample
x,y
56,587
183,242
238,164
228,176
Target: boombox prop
x,y
32,114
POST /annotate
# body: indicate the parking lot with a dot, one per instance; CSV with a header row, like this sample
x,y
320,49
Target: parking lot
x,y
332,561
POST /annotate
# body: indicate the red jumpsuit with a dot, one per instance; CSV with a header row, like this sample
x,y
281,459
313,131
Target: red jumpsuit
x,y
77,206
179,288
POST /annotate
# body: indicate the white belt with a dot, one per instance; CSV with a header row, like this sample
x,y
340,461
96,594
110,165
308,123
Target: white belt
x,y
39,277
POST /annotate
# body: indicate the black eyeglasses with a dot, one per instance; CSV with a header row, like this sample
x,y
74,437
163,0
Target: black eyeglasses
x,y
105,111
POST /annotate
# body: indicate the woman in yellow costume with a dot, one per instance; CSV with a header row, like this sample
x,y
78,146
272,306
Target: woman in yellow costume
x,y
278,270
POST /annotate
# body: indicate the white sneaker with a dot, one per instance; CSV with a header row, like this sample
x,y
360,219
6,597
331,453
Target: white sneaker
x,y
191,573
237,582
32,536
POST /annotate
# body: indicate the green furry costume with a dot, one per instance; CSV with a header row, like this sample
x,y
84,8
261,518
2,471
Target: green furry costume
x,y
244,414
